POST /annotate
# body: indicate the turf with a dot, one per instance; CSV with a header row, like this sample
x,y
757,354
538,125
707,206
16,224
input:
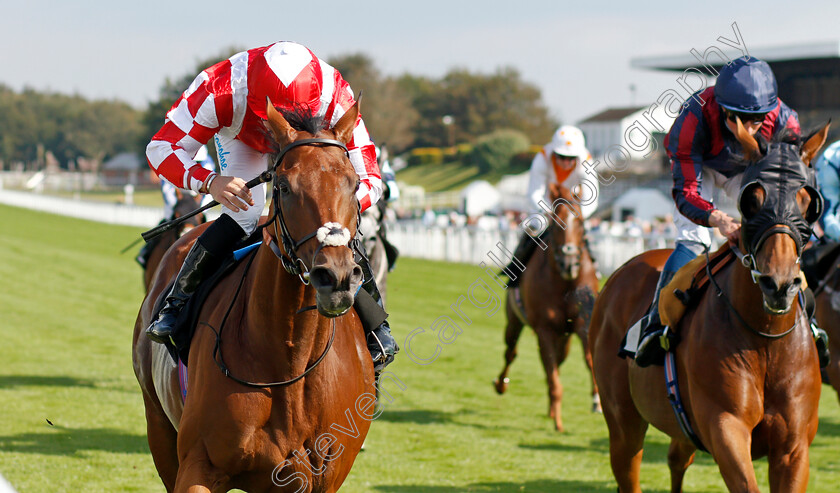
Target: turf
x,y
67,306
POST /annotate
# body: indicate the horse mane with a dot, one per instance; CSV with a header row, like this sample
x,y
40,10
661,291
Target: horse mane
x,y
786,136
301,118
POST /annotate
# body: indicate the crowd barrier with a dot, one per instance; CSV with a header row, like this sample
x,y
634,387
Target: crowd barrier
x,y
451,244
471,245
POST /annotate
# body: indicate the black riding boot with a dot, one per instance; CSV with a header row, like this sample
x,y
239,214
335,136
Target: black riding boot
x,y
652,348
368,305
213,245
820,337
523,252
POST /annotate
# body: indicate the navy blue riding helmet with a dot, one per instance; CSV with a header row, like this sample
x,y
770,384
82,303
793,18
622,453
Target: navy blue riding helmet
x,y
747,85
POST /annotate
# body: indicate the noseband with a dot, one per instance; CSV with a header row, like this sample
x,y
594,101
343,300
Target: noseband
x,y
291,262
288,255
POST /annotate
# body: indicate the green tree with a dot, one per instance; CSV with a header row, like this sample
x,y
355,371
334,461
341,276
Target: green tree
x,y
169,92
494,151
478,105
70,127
386,109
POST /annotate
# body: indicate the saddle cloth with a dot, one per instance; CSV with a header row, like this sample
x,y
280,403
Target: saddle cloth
x,y
688,283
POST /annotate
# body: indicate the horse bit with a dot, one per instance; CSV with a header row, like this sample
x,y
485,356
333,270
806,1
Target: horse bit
x,y
292,263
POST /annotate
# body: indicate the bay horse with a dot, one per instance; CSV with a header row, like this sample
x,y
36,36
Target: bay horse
x,y
557,290
746,362
282,316
827,314
185,204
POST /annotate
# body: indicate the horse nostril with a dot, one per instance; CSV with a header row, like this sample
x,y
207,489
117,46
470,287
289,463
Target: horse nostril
x,y
322,278
357,276
767,284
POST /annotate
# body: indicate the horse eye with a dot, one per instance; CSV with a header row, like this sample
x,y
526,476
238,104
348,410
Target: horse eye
x,y
284,188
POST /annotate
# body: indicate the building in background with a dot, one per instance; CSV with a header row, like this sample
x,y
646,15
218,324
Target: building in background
x,y
808,75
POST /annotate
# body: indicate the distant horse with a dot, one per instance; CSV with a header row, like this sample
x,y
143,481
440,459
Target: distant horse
x,y
747,366
828,317
557,290
281,316
370,227
186,203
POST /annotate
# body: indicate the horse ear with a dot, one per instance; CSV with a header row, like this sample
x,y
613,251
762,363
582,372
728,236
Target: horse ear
x,y
813,144
283,133
345,126
748,142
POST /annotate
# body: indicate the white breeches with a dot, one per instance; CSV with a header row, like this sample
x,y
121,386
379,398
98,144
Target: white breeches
x,y
239,160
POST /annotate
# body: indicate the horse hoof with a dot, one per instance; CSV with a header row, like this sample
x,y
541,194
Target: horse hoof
x,y
501,385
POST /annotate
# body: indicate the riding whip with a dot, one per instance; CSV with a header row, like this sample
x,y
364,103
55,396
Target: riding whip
x,y
264,177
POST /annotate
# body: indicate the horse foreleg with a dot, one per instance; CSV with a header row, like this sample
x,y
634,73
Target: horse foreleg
x,y
680,456
582,331
627,436
553,350
789,469
197,475
512,333
729,444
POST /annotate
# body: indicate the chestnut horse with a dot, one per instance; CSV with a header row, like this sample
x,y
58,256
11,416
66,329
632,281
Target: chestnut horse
x,y
746,364
828,317
186,203
557,289
261,323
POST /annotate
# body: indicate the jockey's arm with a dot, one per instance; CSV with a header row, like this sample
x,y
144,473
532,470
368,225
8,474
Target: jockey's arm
x,y
538,178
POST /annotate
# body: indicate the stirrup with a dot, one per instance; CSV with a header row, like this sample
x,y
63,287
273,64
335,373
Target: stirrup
x,y
821,341
375,345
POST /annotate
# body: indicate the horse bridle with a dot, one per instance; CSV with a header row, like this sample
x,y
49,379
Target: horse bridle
x,y
291,262
288,255
564,251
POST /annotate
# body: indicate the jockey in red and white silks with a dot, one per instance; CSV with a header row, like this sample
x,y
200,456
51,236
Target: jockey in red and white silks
x,y
227,102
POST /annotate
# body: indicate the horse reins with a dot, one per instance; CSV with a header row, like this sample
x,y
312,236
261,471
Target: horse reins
x,y
722,295
291,263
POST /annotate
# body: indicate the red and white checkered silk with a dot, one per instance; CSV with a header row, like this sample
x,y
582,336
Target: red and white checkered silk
x,y
229,98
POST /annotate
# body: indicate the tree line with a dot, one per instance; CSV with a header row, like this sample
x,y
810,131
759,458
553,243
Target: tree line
x,y
405,111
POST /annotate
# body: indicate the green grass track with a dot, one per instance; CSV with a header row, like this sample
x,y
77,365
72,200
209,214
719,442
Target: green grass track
x,y
68,301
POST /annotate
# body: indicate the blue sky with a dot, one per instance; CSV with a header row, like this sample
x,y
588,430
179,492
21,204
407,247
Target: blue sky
x,y
577,53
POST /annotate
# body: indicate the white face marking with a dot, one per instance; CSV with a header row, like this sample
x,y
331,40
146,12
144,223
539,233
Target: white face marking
x,y
333,234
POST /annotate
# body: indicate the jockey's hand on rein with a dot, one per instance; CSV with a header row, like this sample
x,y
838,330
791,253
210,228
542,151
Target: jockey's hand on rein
x,y
231,192
727,226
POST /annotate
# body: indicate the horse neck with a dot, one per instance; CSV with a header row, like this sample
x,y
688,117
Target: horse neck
x,y
746,298
280,323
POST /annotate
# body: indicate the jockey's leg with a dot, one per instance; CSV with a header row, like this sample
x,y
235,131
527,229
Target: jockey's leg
x,y
368,305
212,246
523,252
217,241
820,336
650,350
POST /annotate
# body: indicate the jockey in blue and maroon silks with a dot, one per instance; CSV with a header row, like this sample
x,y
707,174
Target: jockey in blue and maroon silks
x,y
700,145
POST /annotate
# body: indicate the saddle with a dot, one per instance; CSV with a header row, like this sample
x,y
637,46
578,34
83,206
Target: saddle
x,y
691,280
188,321
689,283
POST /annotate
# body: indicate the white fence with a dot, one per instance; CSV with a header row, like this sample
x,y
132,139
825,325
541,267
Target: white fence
x,y
451,244
471,245
105,212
